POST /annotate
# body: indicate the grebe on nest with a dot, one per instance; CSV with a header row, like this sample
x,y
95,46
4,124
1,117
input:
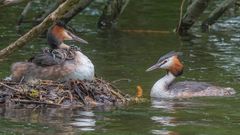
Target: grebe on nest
x,y
59,63
165,88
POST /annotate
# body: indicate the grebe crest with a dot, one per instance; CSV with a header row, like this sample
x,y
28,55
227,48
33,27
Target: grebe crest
x,y
164,87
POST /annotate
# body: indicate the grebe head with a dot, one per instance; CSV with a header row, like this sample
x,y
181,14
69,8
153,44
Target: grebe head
x,y
58,33
170,62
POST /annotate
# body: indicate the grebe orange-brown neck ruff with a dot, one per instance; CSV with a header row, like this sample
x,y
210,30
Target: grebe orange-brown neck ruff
x,y
49,66
165,88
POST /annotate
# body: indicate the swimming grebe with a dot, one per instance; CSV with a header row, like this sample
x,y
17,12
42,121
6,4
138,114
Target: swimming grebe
x,y
164,87
48,66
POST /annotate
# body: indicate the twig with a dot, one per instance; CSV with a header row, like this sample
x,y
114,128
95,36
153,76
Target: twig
x,y
78,92
57,85
122,79
9,87
21,80
115,87
60,101
35,108
116,94
180,16
70,95
33,102
10,83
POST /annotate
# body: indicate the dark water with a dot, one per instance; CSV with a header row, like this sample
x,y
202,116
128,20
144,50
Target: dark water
x,y
212,57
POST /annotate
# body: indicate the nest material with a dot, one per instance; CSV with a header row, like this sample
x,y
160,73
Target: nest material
x,y
70,93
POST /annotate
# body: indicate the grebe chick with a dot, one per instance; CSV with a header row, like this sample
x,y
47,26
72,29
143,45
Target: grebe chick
x,y
165,88
54,63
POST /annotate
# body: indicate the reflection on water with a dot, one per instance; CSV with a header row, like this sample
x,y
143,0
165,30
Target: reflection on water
x,y
171,107
163,132
164,121
231,24
85,121
168,106
226,44
56,119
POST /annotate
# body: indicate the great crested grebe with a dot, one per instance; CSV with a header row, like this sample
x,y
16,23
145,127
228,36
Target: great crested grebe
x,y
48,66
165,88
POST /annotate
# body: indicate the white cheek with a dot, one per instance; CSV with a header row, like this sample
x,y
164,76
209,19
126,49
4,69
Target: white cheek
x,y
66,36
167,65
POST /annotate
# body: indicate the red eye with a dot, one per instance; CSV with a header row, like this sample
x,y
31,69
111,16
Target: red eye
x,y
165,61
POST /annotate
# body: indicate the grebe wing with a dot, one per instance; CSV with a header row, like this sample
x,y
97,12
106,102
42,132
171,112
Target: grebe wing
x,y
52,57
189,86
45,60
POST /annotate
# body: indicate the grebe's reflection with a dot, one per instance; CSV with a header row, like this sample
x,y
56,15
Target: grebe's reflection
x,y
85,121
168,107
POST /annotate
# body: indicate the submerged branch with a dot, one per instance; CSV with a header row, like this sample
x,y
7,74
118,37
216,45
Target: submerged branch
x,y
193,12
111,12
217,13
24,13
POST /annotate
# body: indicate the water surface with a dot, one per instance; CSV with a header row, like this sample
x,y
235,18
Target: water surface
x,y
211,57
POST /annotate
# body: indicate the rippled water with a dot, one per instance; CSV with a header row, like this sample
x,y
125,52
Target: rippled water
x,y
212,57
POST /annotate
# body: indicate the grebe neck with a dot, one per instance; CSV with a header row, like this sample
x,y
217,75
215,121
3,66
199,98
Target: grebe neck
x,y
160,88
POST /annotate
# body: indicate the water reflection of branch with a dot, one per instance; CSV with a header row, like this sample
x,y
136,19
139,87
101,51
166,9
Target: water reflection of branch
x,y
122,79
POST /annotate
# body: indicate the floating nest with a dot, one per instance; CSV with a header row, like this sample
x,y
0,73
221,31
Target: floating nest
x,y
75,93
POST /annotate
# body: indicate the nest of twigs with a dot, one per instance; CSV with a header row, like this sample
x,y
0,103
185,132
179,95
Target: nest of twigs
x,y
70,93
